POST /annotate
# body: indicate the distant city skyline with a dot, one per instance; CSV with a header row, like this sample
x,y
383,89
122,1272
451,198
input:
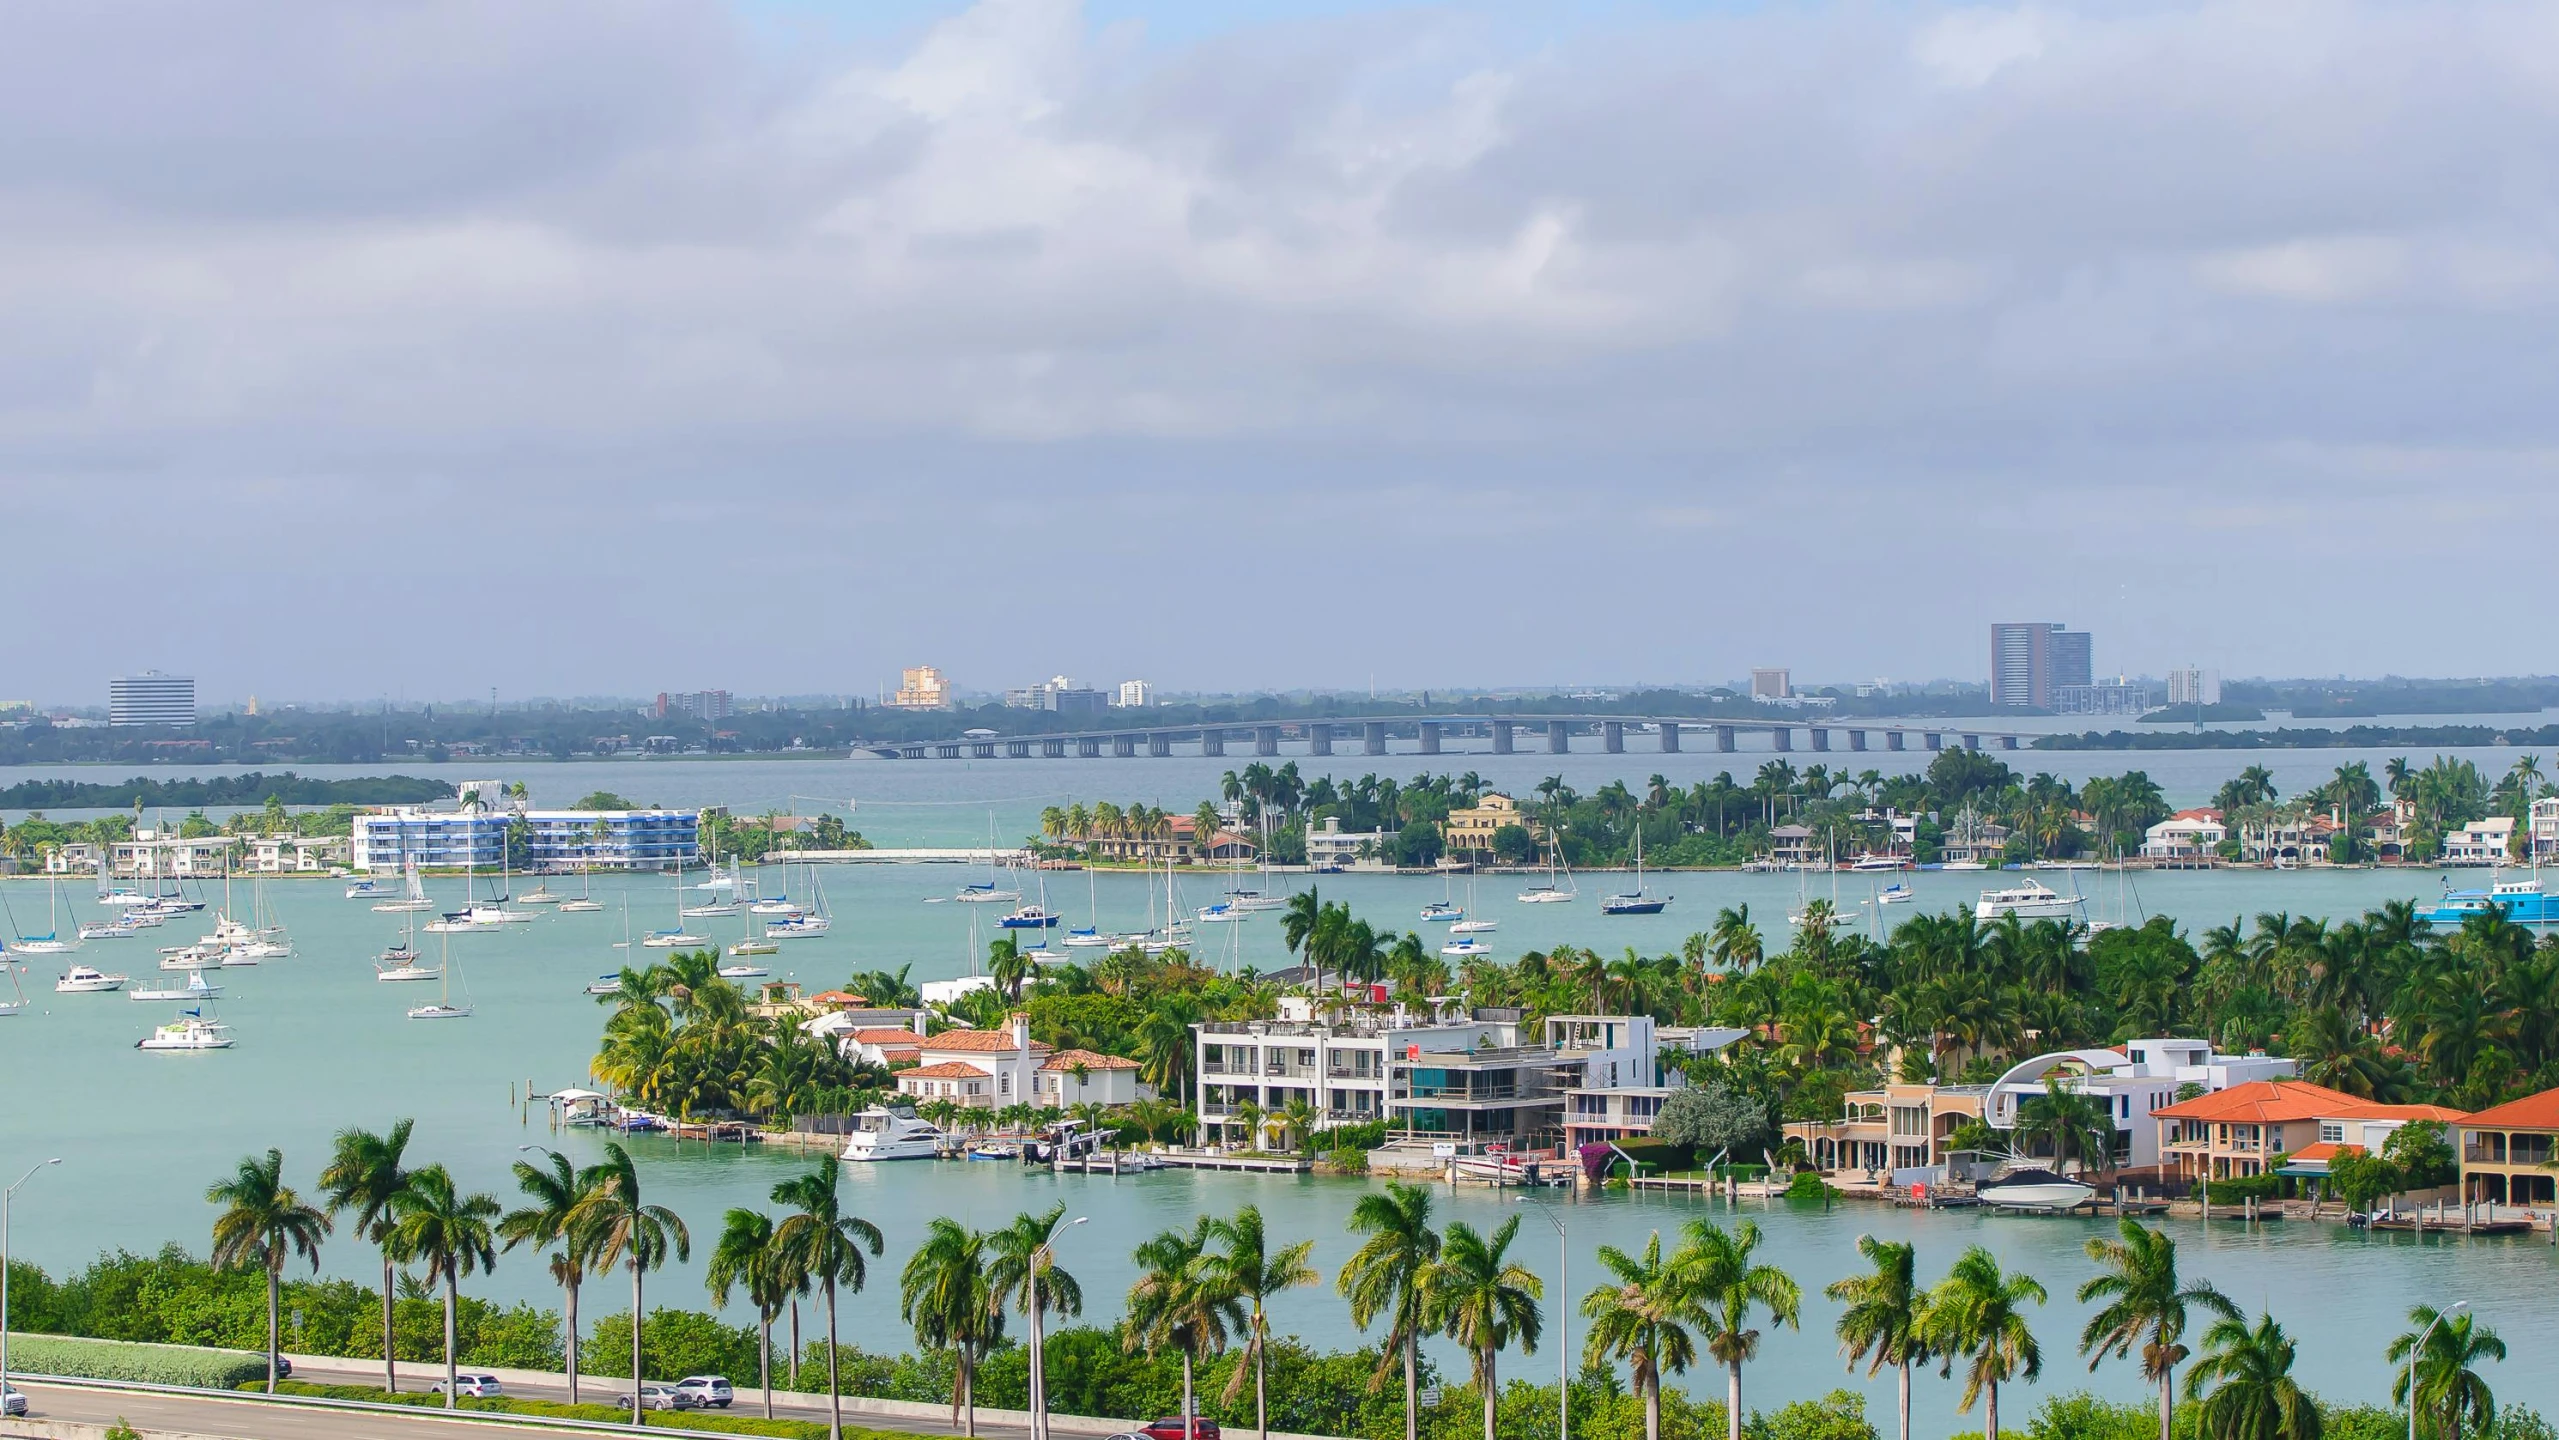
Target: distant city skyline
x,y
584,348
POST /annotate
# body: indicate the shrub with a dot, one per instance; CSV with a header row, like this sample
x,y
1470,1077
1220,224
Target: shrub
x,y
126,1360
674,1343
1839,1415
1347,1160
694,1420
1807,1186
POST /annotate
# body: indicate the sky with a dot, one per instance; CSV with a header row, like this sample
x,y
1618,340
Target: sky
x,y
612,346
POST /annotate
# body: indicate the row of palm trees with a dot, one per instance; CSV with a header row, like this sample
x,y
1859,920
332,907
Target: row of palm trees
x,y
1203,1290
590,1220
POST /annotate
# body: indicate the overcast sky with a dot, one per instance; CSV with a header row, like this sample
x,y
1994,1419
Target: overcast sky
x,y
609,346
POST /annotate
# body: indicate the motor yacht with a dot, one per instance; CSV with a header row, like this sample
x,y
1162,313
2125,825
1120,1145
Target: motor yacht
x,y
84,980
194,989
192,957
190,1031
1033,916
2033,900
2033,1189
892,1135
2522,901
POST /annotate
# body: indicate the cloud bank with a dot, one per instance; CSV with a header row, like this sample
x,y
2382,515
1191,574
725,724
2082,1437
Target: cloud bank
x,y
772,358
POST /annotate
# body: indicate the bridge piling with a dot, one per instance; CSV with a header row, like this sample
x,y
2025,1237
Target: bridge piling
x,y
1559,738
1856,739
1159,745
1724,739
1088,747
1123,747
1320,737
1501,737
2007,742
1893,739
1612,737
1266,739
1972,742
1430,738
1017,749
1373,736
1670,738
1053,749
1821,737
1785,737
982,750
1935,740
1212,742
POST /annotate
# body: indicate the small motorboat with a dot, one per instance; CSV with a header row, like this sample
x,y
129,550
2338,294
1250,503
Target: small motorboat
x,y
1444,911
85,980
1895,894
995,1150
743,972
604,985
190,1031
2033,1190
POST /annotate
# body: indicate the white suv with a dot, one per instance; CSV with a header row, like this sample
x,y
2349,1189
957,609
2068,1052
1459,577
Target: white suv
x,y
706,1390
478,1387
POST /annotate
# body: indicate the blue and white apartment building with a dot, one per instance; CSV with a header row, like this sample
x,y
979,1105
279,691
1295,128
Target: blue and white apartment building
x,y
474,837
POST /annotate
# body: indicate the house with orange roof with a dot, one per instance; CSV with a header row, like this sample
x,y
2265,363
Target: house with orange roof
x,y
2506,1151
1001,1066
1083,1077
2246,1129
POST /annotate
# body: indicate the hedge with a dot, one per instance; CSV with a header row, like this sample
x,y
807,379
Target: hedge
x,y
697,1420
126,1360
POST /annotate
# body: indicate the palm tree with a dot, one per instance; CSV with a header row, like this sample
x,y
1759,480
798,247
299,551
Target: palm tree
x,y
1723,1285
555,1193
1024,1269
2145,1306
364,1175
1735,942
1639,1319
621,1229
1247,1268
1886,1315
1180,1304
1975,1315
826,1244
2449,1387
2252,1395
943,1293
264,1225
451,1232
2076,1125
1479,1297
1385,1278
745,1257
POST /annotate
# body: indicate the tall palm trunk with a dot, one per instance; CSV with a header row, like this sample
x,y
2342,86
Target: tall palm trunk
x,y
764,1356
1492,1389
1190,1407
795,1342
1653,1406
2167,1401
1412,1388
636,1417
1733,1400
452,1381
1261,1374
1990,1416
275,1287
1905,1400
834,1396
572,1301
390,1364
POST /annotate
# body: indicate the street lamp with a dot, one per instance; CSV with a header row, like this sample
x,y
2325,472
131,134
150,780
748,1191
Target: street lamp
x,y
2419,1349
1563,1323
1039,1359
6,1199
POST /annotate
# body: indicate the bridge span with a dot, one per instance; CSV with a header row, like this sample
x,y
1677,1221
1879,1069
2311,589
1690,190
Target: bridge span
x,y
1371,734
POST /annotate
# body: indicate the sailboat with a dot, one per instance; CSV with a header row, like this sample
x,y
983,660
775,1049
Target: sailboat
x,y
19,1005
722,886
50,942
400,962
1635,901
583,902
1550,893
495,912
414,899
988,891
755,943
1473,924
677,938
444,1008
804,924
1446,908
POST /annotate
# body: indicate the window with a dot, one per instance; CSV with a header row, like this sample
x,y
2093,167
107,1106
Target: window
x,y
1004,1085
2332,1132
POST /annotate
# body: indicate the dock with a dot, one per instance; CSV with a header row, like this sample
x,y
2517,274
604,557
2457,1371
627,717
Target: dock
x,y
1219,1160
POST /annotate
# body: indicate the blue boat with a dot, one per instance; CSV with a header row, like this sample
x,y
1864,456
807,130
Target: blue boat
x,y
1030,917
2522,901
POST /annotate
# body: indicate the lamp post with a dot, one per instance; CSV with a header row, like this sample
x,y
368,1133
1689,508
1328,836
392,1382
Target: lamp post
x,y
2419,1349
1039,1359
6,1200
1563,1325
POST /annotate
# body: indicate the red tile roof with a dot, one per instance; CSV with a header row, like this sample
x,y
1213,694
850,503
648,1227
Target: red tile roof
x,y
1068,1059
837,997
2532,1112
979,1041
2262,1102
947,1070
890,1035
2325,1150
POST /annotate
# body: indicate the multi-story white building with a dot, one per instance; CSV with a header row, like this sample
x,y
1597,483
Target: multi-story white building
x,y
160,854
2185,838
982,1069
2545,828
1136,694
1338,1066
2481,842
475,837
1616,1070
297,854
1330,847
2133,1082
1084,1077
151,698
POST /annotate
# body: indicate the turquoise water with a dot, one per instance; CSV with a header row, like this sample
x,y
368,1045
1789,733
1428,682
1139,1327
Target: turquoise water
x,y
322,1046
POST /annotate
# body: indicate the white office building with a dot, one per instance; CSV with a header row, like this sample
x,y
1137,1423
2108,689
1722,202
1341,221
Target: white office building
x,y
555,841
151,698
1136,694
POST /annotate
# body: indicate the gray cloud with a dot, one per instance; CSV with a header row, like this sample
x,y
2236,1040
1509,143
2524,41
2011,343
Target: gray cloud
x,y
1815,334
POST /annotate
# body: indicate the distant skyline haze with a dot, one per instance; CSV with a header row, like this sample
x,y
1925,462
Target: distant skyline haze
x,y
603,348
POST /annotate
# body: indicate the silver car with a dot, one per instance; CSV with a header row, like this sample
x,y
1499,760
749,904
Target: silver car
x,y
660,1397
706,1391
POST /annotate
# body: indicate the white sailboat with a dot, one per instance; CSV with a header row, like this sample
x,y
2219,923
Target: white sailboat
x,y
444,1008
416,898
50,942
1551,893
400,962
806,924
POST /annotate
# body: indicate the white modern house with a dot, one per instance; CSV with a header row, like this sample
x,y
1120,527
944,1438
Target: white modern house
x,y
2141,1077
2185,838
1330,847
2481,842
1624,1070
1336,1062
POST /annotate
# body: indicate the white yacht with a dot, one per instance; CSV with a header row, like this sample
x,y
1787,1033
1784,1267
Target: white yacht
x,y
194,989
457,922
671,940
892,1135
1465,948
541,895
118,929
2033,1189
1474,927
190,1031
192,957
743,972
2033,900
415,898
84,980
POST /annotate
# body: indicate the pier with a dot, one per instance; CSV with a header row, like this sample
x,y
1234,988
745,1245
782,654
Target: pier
x,y
1554,734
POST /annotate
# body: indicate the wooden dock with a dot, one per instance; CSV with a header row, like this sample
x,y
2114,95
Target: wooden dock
x,y
1218,1160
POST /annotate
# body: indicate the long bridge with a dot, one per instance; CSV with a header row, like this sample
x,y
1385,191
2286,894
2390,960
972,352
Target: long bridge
x,y
1371,733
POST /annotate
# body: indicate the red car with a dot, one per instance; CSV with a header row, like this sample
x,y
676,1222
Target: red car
x,y
1201,1429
